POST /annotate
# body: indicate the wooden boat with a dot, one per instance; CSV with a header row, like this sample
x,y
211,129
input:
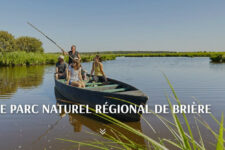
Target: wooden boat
x,y
114,92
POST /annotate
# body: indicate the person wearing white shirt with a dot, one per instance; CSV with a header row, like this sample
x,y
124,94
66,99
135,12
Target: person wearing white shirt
x,y
74,75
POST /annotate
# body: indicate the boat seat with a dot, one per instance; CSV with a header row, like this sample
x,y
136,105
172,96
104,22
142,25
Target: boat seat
x,y
115,90
62,80
103,87
93,84
87,84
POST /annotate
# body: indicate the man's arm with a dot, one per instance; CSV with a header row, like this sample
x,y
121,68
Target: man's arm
x,y
56,70
67,74
56,73
80,76
68,78
79,57
65,53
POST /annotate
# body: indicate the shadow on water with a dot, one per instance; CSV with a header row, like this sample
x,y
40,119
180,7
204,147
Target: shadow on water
x,y
95,123
12,78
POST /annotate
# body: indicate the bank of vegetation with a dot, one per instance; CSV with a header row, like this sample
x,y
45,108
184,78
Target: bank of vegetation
x,y
218,58
159,53
31,58
39,58
29,51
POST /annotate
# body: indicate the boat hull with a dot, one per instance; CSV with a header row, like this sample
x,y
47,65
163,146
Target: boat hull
x,y
93,98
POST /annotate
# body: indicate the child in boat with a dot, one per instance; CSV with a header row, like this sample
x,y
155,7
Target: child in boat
x,y
97,69
74,75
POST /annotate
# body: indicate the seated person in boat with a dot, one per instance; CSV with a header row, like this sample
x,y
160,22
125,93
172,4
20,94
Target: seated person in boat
x,y
61,68
74,74
97,69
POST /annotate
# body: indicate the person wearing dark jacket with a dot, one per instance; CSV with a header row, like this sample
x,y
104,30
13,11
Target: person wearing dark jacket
x,y
61,68
73,54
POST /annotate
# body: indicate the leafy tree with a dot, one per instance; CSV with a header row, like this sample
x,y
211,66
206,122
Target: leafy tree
x,y
7,42
29,44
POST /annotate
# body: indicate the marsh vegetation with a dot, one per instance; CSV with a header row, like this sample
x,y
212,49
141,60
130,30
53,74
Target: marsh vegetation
x,y
37,58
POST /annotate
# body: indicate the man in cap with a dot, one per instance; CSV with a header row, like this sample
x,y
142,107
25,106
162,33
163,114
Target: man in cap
x,y
61,68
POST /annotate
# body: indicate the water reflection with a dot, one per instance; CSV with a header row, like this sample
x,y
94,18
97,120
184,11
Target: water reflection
x,y
78,121
12,78
95,123
217,66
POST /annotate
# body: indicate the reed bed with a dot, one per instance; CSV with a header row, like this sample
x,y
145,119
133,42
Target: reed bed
x,y
24,58
158,53
174,54
29,58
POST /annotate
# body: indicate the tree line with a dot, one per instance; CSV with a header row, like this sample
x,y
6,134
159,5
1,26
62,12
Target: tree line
x,y
8,43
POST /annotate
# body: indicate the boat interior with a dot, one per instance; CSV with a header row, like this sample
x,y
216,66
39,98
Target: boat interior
x,y
109,87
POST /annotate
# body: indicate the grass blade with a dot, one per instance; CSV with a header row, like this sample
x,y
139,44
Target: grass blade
x,y
184,116
220,144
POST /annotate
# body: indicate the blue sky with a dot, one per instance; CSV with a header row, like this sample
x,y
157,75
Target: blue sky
x,y
106,25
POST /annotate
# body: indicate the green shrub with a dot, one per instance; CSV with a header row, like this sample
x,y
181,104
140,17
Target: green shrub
x,y
29,44
223,58
7,42
216,58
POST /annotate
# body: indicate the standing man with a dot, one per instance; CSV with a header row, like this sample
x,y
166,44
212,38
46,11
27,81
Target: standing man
x,y
73,54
